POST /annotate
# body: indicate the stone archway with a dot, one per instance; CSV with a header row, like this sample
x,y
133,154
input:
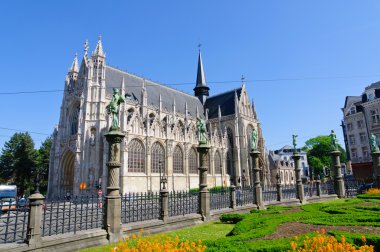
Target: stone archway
x,y
67,173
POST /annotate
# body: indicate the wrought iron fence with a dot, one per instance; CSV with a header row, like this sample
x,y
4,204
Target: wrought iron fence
x,y
352,187
270,193
220,198
245,196
289,192
327,188
310,190
13,221
140,207
183,202
72,214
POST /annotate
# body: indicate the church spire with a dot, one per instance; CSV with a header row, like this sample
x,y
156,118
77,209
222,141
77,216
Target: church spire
x,y
99,48
201,89
74,66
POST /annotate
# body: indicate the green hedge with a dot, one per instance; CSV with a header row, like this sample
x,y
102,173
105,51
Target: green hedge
x,y
356,238
231,218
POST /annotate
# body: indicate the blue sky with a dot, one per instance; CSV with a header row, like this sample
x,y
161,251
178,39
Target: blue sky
x,y
314,54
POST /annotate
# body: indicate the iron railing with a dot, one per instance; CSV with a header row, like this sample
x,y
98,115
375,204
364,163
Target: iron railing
x,y
245,196
140,207
269,193
183,202
351,187
289,192
327,188
310,190
72,214
220,198
13,221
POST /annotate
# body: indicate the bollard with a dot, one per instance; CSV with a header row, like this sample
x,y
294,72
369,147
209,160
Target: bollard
x,y
233,197
34,220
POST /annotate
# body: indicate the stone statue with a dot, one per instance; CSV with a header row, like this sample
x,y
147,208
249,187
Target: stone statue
x,y
202,133
373,144
254,140
113,108
333,143
294,143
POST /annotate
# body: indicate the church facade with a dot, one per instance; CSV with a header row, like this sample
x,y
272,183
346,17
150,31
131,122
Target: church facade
x,y
160,127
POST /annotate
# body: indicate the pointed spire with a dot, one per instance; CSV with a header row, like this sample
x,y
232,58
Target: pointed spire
x,y
122,89
201,89
219,112
99,47
242,80
160,101
74,66
86,49
186,110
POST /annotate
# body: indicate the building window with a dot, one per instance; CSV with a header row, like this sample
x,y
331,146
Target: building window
x,y
349,126
177,160
360,124
354,153
193,166
375,116
365,151
218,163
230,153
362,137
351,139
136,156
74,121
158,155
352,110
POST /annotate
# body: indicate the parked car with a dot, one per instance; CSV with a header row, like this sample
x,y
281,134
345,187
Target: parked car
x,y
364,187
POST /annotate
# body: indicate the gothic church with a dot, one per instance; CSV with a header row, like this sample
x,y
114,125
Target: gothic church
x,y
160,127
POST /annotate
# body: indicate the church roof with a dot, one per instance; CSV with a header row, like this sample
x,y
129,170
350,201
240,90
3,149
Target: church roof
x,y
225,100
134,84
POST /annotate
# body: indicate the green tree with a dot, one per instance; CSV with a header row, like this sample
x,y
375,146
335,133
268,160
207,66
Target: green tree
x,y
43,160
318,153
17,162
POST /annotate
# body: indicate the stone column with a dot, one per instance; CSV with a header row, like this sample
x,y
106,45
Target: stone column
x,y
33,237
204,195
164,195
338,178
299,186
256,174
232,197
376,167
112,218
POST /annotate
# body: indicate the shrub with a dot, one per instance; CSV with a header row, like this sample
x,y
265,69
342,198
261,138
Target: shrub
x,y
322,242
231,218
157,243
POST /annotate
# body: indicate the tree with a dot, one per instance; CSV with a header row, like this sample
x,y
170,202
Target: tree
x,y
17,161
43,160
318,153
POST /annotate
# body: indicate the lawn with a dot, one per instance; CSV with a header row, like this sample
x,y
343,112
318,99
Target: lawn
x,y
274,228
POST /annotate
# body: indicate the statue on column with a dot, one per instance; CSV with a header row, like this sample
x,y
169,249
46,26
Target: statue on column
x,y
294,143
373,143
202,132
113,108
333,140
254,140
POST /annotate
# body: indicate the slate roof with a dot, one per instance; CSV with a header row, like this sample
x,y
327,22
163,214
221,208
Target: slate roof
x,y
225,100
133,86
373,85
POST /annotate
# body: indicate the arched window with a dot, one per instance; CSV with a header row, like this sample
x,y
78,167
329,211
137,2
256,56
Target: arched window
x,y
249,138
193,163
74,120
177,160
136,156
158,155
218,163
230,153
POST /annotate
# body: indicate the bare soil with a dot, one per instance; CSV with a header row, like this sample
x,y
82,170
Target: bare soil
x,y
291,229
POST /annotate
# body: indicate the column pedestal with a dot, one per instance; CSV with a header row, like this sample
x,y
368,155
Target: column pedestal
x,y
33,237
204,194
299,186
338,178
256,172
376,167
112,218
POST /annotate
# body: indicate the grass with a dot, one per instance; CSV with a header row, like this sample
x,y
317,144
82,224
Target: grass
x,y
244,232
